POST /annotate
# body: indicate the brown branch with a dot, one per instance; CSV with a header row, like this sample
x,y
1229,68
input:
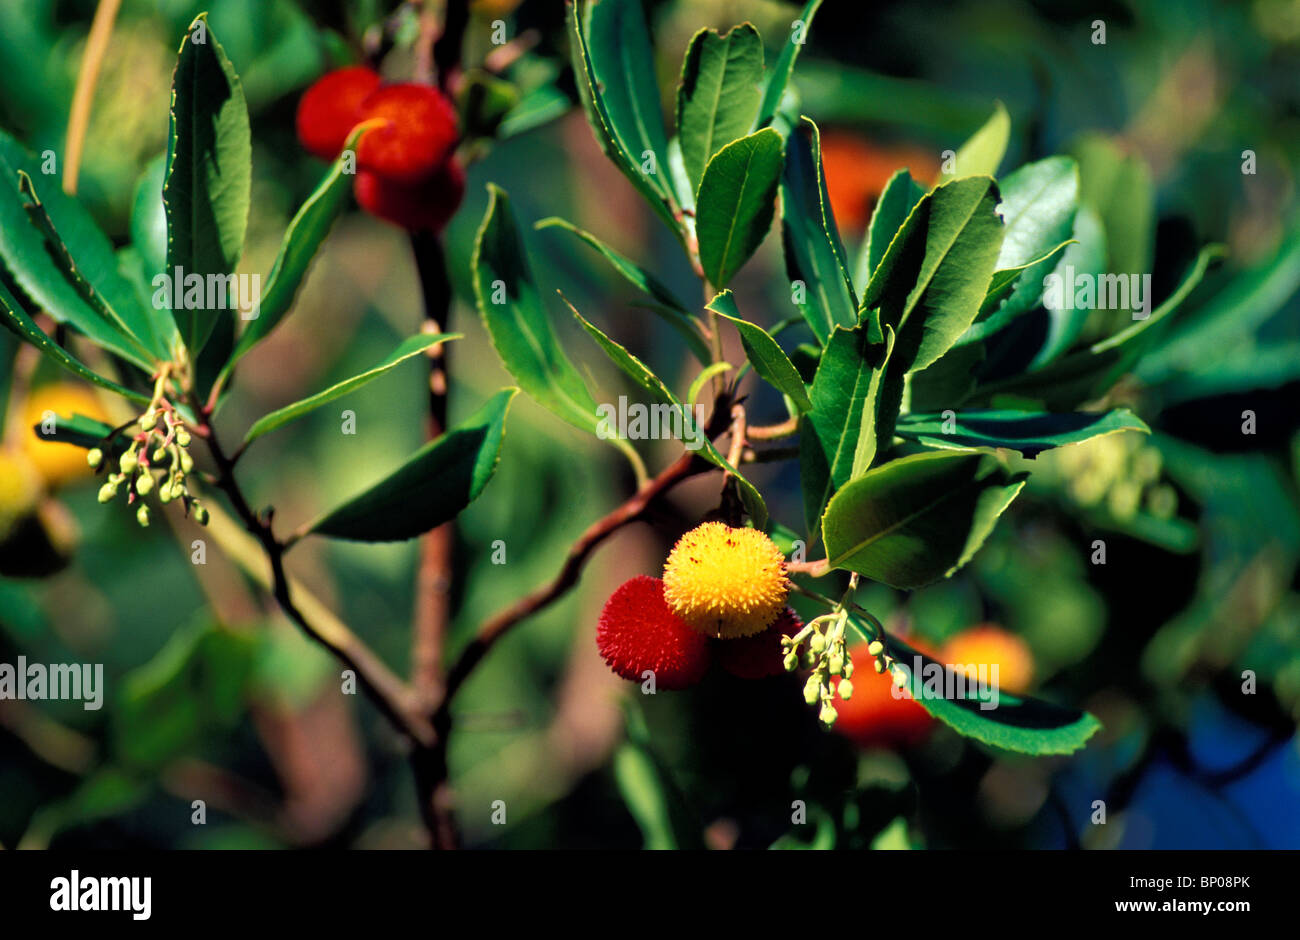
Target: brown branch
x,y
101,31
817,569
774,432
434,576
388,692
687,465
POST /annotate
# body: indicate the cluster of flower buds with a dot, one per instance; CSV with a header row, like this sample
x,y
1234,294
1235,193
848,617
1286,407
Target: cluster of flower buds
x,y
827,656
159,443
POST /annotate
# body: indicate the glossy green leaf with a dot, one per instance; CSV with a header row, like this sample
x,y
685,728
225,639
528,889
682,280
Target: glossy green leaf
x,y
982,153
76,429
932,280
640,373
1118,187
998,719
1028,432
839,436
432,487
768,358
1085,375
814,254
655,190
623,65
149,239
1039,201
16,319
667,305
138,332
779,77
717,100
302,240
26,257
209,173
412,346
521,332
1086,255
896,202
736,203
917,519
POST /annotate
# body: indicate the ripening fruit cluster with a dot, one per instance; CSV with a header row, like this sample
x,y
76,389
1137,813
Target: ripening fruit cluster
x,y
722,597
407,172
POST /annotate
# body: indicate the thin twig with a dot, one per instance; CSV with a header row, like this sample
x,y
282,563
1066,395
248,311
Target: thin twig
x,y
101,31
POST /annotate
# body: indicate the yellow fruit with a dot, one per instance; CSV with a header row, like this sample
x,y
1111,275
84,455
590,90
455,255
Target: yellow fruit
x,y
20,488
726,582
59,463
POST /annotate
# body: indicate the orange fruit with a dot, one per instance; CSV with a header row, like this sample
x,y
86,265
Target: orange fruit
x,y
873,716
857,170
987,644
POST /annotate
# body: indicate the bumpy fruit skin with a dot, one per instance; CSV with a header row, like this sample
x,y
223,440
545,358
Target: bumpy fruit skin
x,y
873,717
329,109
726,582
419,134
59,463
638,632
424,206
760,655
987,644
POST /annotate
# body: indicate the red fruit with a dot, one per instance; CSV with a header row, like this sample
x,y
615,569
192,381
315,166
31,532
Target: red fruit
x,y
427,205
758,656
418,136
873,717
329,109
638,631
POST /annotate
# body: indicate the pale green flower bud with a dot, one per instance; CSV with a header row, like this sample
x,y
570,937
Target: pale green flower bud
x,y
144,484
875,647
94,457
128,462
846,689
107,492
827,715
812,690
200,515
142,515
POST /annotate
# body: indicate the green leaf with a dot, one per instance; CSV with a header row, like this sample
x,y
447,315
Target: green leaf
x,y
998,308
932,279
16,319
917,519
623,66
768,358
1087,374
521,332
1039,202
76,429
28,260
1028,432
431,488
139,331
644,377
779,77
982,154
839,436
1014,723
717,100
896,202
409,347
930,283
654,800
302,240
736,202
149,239
1087,255
194,685
209,172
655,189
1118,187
814,253
669,307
